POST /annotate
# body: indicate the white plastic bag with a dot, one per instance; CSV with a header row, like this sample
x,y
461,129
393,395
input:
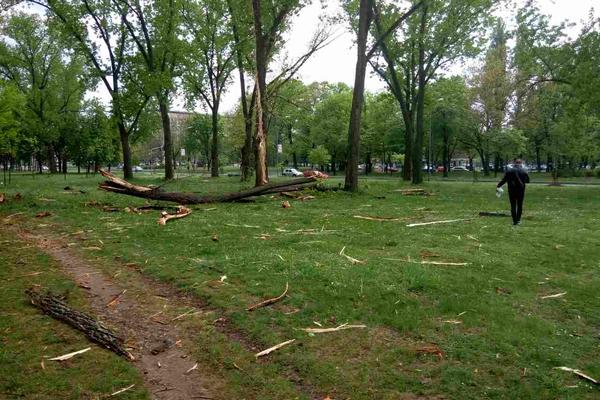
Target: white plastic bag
x,y
499,192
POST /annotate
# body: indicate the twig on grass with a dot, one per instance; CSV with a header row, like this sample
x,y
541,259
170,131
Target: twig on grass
x,y
122,390
269,301
553,296
448,221
182,212
338,328
382,219
191,369
272,349
579,374
69,355
351,259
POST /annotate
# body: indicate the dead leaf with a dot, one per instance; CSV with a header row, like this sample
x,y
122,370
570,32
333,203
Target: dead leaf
x,y
431,349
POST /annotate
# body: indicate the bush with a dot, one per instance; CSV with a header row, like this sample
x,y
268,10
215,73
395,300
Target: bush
x,y
568,172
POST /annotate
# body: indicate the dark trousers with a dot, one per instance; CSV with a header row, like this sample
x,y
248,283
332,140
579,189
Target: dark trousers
x,y
516,197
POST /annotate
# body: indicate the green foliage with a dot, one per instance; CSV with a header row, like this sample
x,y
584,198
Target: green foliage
x,y
197,137
319,156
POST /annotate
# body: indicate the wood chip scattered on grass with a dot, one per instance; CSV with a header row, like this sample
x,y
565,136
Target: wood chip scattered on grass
x,y
181,212
553,296
269,301
190,312
351,259
116,298
338,328
122,390
448,221
43,214
432,349
579,374
382,219
452,321
272,349
427,262
69,355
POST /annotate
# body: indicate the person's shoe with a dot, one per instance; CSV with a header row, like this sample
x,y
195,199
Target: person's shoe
x,y
518,223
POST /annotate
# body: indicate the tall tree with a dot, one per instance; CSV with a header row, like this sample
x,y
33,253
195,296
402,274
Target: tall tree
x,y
210,60
439,34
100,33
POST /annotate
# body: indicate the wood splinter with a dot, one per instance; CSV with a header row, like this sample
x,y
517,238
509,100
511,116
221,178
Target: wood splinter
x,y
269,301
272,349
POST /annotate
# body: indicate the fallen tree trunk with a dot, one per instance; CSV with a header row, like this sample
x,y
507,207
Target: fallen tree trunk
x,y
118,185
94,330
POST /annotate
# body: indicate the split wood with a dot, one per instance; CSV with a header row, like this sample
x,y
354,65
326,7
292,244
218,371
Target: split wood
x,y
122,390
70,355
269,301
554,296
377,218
427,262
351,259
93,329
182,212
327,330
579,374
439,222
272,349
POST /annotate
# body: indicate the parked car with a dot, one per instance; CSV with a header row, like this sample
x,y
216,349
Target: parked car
x,y
291,172
137,168
459,168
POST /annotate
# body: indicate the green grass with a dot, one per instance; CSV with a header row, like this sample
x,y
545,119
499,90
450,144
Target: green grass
x,y
28,337
509,340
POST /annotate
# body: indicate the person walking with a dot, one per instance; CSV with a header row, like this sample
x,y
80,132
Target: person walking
x,y
517,178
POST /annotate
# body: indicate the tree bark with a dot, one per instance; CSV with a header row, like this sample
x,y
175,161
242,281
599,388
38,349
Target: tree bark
x,y
260,138
417,156
353,152
117,185
214,148
163,105
446,155
126,150
93,329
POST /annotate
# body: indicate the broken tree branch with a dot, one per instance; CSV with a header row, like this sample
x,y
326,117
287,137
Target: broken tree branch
x,y
327,330
94,330
272,349
269,301
182,212
117,185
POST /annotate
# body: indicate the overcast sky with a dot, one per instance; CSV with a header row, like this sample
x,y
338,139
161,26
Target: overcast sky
x,y
336,62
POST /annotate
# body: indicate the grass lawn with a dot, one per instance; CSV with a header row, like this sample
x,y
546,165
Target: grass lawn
x,y
28,338
448,332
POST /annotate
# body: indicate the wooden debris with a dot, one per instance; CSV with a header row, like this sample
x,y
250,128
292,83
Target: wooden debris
x,y
553,296
579,374
338,328
2,198
215,238
452,321
405,191
427,262
122,390
120,186
116,298
351,259
428,254
182,212
286,204
377,218
94,330
17,196
272,349
493,214
500,290
191,369
43,214
432,349
448,221
184,314
269,301
70,355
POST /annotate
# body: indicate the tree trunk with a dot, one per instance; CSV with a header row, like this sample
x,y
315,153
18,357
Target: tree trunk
x,y
163,105
120,186
353,152
446,155
417,156
126,149
51,160
261,134
214,150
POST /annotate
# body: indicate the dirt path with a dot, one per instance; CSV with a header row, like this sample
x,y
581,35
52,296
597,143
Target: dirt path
x,y
167,370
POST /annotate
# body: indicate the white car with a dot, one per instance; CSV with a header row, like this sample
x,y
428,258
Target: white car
x,y
291,172
459,168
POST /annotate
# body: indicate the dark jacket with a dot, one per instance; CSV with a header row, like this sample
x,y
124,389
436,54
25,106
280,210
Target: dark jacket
x,y
516,178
